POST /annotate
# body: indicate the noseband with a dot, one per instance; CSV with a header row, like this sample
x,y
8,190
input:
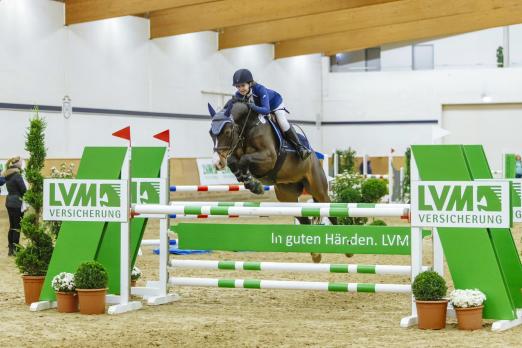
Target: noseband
x,y
235,128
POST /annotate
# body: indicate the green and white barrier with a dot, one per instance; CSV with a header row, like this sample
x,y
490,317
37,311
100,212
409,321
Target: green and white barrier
x,y
149,209
290,285
293,267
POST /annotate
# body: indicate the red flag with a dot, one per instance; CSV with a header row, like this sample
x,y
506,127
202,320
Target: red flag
x,y
123,133
163,136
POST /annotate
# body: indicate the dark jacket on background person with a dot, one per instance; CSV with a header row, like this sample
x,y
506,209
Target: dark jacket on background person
x,y
2,180
15,188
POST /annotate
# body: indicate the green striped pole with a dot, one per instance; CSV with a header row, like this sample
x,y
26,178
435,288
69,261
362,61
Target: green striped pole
x,y
292,204
269,211
293,267
290,285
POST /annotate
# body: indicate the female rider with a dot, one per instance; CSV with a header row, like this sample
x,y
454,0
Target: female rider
x,y
264,102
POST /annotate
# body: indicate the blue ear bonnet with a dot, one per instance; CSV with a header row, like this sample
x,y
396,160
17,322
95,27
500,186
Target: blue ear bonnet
x,y
218,122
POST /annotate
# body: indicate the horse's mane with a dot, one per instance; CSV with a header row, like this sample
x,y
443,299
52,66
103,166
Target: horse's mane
x,y
239,110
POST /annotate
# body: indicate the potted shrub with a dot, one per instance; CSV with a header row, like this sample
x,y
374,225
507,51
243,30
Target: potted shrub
x,y
429,289
91,284
468,305
135,275
63,285
33,257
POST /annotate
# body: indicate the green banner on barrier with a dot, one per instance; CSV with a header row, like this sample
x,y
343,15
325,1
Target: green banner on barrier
x,y
295,238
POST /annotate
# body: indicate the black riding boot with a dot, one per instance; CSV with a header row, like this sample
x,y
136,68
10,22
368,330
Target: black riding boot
x,y
16,241
292,137
10,243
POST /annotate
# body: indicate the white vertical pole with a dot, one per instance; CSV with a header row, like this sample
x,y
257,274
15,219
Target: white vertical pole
x,y
390,176
125,305
164,227
401,183
416,260
365,164
125,236
335,164
505,32
416,253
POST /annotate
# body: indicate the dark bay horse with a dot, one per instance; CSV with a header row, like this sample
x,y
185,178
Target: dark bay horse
x,y
247,144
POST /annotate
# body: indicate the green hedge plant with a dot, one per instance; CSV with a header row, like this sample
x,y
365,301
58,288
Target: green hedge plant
x,y
429,286
372,190
91,275
34,256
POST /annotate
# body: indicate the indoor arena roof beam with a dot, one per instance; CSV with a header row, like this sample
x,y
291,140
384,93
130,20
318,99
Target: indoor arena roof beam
x,y
80,11
220,14
357,39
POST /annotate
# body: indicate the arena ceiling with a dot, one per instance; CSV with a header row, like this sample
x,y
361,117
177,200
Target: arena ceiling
x,y
299,27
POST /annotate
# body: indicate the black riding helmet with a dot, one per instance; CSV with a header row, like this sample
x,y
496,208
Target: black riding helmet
x,y
242,76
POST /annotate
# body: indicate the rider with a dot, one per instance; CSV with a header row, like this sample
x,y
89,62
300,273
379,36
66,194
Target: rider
x,y
264,102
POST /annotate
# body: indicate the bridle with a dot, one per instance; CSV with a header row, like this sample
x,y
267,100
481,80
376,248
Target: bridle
x,y
240,138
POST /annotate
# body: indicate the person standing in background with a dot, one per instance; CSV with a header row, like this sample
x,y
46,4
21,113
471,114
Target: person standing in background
x,y
518,166
2,179
15,192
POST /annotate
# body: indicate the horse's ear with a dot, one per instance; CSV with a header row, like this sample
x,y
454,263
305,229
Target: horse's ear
x,y
211,110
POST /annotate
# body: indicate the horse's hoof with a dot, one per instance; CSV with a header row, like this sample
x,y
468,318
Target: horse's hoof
x,y
257,188
316,258
348,255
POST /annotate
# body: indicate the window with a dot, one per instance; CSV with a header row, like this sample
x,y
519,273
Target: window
x,y
356,61
348,61
373,58
423,57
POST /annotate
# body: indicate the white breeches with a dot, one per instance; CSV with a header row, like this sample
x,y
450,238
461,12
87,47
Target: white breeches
x,y
281,118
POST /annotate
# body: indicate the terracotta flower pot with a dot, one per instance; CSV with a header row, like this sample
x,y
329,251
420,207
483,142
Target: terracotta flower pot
x,y
133,283
432,314
92,301
32,288
67,302
469,318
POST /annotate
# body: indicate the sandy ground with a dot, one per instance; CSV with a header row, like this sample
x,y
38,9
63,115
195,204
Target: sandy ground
x,y
244,318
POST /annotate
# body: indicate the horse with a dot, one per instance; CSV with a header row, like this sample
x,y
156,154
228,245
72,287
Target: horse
x,y
247,143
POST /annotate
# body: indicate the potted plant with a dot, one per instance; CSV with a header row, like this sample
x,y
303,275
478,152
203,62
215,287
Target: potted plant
x,y
135,275
63,285
429,288
91,284
468,305
33,257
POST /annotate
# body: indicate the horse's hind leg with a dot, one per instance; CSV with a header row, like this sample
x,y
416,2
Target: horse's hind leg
x,y
291,193
317,185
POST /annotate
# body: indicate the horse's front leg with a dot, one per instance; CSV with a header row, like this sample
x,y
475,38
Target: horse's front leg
x,y
233,165
246,162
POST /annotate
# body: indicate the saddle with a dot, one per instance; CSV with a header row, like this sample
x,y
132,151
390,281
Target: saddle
x,y
284,147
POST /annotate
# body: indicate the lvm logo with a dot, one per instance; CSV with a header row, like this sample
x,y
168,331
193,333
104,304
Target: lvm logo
x,y
85,200
146,191
516,199
461,204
